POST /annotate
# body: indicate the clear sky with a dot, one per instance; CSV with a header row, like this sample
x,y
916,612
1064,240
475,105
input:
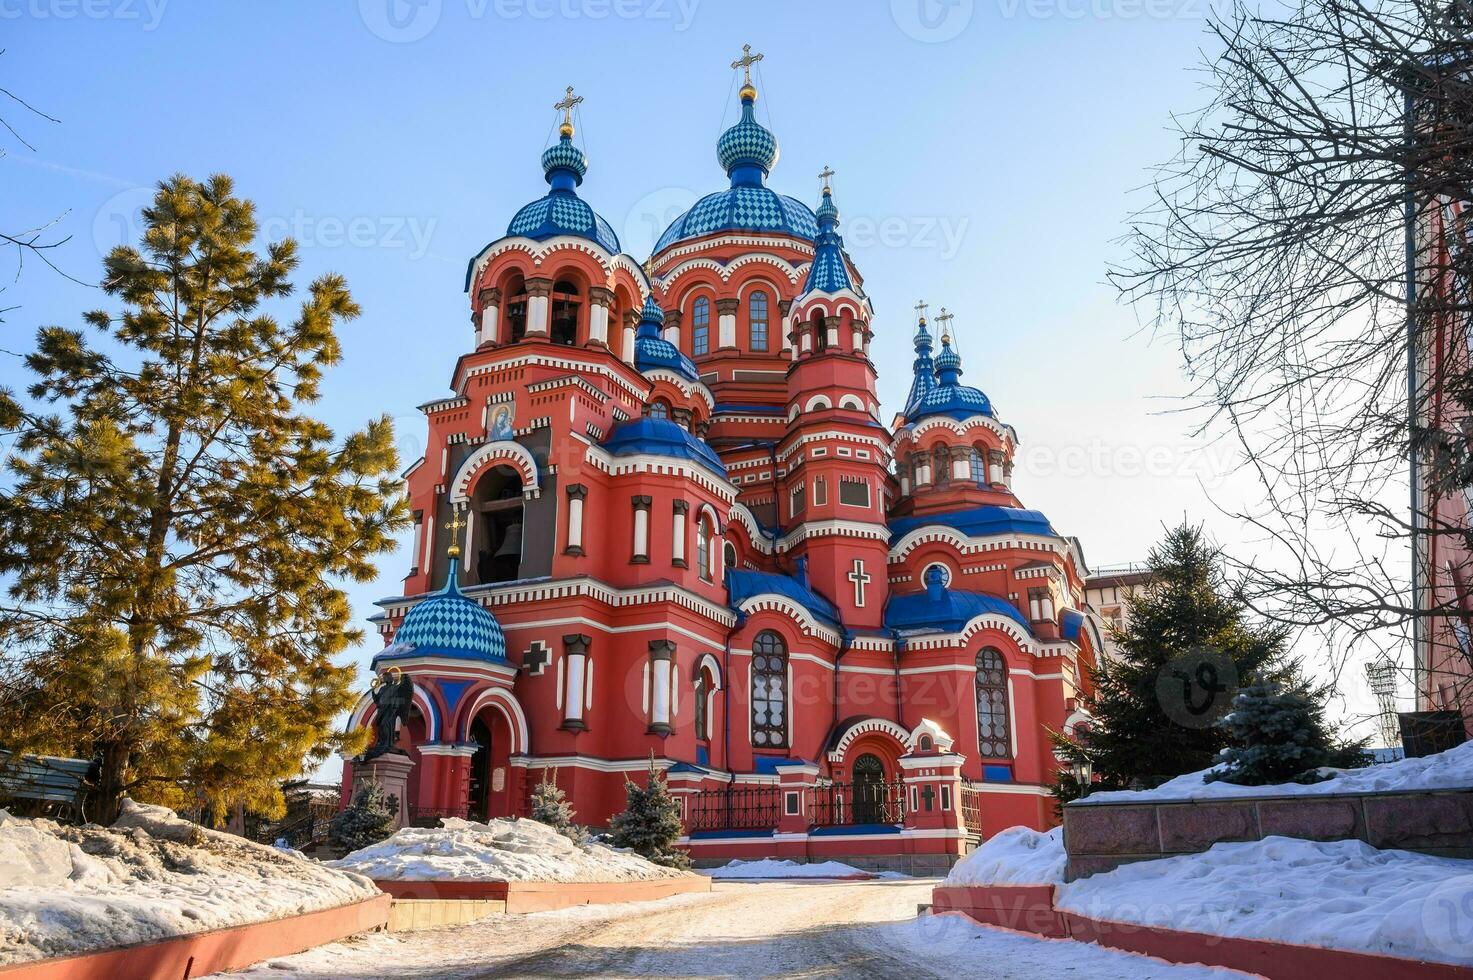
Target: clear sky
x,y
987,155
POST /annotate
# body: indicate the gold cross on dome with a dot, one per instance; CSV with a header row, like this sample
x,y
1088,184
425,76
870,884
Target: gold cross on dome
x,y
455,525
567,104
921,307
745,63
944,318
824,176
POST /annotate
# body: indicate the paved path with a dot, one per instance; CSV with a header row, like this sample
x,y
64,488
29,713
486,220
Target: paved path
x,y
791,929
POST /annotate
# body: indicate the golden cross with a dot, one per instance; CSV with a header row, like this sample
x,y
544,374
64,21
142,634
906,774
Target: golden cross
x,y
454,526
921,307
566,105
944,318
745,63
824,176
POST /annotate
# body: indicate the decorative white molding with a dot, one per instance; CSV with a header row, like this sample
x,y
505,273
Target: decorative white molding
x,y
500,451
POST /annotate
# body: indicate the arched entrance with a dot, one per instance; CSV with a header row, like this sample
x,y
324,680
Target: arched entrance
x,y
869,789
489,789
495,551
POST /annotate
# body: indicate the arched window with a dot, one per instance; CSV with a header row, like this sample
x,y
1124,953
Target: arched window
x,y
729,555
820,333
769,691
658,410
565,312
757,320
700,326
705,684
943,467
993,738
703,547
516,310
979,465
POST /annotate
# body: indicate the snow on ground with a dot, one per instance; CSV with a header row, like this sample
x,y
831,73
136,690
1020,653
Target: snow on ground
x,y
746,929
1017,856
1452,769
501,850
1340,894
771,868
148,877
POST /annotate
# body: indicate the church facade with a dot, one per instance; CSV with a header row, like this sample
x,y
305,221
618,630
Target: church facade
x,y
684,532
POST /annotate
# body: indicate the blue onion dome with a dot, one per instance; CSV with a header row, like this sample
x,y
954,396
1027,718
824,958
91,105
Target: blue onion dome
x,y
948,396
923,369
748,150
650,436
829,272
562,211
448,624
653,352
828,212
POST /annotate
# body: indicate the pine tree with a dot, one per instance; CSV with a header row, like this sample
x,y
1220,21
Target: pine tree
x,y
550,806
174,526
650,824
368,819
1141,733
1280,735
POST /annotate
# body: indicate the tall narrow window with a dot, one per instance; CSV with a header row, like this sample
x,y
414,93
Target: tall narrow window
x,y
700,326
943,467
769,691
757,319
979,468
565,307
994,740
701,721
703,547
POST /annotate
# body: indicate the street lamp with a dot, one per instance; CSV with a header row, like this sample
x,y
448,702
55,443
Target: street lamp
x,y
1080,769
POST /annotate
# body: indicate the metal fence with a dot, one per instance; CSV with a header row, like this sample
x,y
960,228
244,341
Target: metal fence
x,y
971,804
845,804
734,808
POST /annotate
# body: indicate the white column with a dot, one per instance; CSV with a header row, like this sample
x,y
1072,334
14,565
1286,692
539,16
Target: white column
x,y
961,468
575,650
662,661
831,331
576,493
995,470
923,475
726,322
642,529
598,324
490,323
539,292
678,532
628,346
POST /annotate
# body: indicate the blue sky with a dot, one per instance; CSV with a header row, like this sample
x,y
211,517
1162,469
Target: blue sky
x,y
986,153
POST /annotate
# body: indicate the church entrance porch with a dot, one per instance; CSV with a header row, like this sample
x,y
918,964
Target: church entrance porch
x,y
488,794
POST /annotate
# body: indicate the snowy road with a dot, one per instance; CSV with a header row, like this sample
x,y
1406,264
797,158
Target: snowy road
x,y
801,929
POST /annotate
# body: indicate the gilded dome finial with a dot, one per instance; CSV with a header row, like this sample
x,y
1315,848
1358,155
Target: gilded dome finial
x,y
944,318
566,106
921,307
745,63
455,525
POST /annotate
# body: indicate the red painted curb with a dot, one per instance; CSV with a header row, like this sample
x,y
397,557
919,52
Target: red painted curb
x,y
539,896
1030,908
201,953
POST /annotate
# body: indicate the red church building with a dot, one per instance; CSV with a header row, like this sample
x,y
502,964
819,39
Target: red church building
x,y
686,533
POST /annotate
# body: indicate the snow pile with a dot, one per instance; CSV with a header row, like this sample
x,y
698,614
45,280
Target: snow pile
x,y
1452,769
1016,856
1339,894
501,850
770,868
151,876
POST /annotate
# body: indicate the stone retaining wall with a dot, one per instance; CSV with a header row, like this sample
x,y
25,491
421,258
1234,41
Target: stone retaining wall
x,y
1101,836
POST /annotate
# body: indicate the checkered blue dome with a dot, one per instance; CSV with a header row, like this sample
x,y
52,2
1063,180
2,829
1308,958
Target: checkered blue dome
x,y
447,624
829,272
563,213
748,143
652,352
563,155
948,396
742,209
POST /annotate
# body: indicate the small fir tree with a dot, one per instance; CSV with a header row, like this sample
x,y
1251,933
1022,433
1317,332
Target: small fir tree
x,y
650,823
367,820
1280,735
550,806
1136,739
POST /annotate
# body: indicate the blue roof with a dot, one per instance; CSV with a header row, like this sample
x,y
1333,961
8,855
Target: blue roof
x,y
947,396
948,613
662,437
742,584
829,272
923,368
744,208
767,764
979,522
1071,621
562,212
447,624
748,143
651,351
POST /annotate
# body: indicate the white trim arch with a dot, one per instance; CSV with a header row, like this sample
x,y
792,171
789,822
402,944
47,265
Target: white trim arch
x,y
505,702
503,451
708,661
865,727
817,402
852,403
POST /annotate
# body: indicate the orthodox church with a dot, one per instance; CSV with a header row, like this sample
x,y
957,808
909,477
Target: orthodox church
x,y
660,517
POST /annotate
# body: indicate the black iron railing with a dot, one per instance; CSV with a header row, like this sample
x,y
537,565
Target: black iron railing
x,y
734,808
844,804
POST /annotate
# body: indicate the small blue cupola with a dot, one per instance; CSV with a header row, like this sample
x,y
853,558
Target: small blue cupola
x,y
923,367
448,623
829,272
948,396
652,352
